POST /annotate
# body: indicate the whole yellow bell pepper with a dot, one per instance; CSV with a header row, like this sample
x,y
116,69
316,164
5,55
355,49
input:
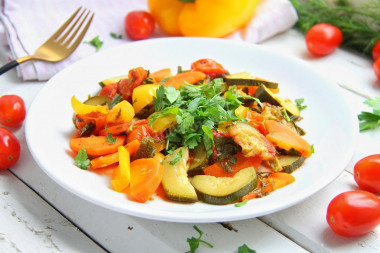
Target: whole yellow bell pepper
x,y
202,18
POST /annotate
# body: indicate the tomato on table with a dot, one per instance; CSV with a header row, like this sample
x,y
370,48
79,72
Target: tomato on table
x,y
376,68
354,213
9,149
367,173
12,110
139,25
322,39
376,50
209,67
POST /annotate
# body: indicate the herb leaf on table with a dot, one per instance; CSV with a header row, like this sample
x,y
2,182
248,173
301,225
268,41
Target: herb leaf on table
x,y
370,120
194,242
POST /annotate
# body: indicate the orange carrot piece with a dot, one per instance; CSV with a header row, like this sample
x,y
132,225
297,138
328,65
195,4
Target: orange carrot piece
x,y
284,137
161,74
96,145
242,162
106,160
277,180
181,79
116,129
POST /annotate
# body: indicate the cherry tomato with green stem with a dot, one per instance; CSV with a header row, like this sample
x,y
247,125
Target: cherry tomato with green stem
x,y
139,25
353,213
322,39
12,110
376,68
9,149
367,173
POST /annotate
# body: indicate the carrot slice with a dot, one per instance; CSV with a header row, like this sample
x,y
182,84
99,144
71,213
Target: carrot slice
x,y
181,79
242,162
96,145
284,137
106,160
161,74
146,176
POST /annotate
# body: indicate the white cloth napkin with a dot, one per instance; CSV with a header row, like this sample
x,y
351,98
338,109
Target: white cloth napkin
x,y
26,24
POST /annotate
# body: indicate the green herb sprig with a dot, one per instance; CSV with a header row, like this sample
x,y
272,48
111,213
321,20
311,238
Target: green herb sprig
x,y
194,242
360,25
370,120
81,159
96,42
198,110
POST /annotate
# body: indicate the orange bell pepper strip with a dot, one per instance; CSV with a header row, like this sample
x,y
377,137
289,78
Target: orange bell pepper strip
x,y
242,162
96,145
284,137
202,18
122,174
146,176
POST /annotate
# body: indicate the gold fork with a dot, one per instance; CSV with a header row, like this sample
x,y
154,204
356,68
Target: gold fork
x,y
61,44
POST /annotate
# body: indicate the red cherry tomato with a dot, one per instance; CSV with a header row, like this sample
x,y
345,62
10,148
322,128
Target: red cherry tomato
x,y
9,149
354,213
376,68
12,110
376,51
209,67
367,173
139,25
322,39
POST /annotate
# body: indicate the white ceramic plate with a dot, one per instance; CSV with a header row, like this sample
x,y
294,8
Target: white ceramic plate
x,y
49,123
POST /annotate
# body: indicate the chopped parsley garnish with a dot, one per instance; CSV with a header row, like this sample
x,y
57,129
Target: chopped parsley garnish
x,y
116,99
245,249
96,42
82,160
242,203
312,148
176,158
115,36
111,139
299,102
198,110
194,242
370,120
285,113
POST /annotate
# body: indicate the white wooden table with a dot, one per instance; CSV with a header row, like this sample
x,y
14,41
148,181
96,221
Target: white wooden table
x,y
37,215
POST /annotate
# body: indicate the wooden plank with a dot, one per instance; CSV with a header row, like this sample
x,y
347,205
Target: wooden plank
x,y
29,224
306,223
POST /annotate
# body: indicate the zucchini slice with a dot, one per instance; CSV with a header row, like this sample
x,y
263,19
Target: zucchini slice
x,y
176,184
246,79
111,80
265,95
225,190
97,100
290,163
199,161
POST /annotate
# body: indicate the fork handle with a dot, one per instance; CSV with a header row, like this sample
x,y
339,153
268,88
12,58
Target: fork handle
x,y
8,66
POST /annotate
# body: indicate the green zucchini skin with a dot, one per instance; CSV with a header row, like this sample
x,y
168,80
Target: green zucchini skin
x,y
229,196
246,79
265,95
290,163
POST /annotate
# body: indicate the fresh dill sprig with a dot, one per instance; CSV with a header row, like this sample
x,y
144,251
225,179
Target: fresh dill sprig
x,y
360,25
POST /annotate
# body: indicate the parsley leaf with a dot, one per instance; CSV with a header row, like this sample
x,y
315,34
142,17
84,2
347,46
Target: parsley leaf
x,y
299,102
177,157
96,42
82,160
370,120
194,242
285,113
245,249
115,36
111,139
242,203
116,99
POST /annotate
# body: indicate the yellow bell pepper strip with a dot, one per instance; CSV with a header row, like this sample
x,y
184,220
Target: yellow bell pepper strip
x,y
122,174
122,112
202,18
143,96
81,108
